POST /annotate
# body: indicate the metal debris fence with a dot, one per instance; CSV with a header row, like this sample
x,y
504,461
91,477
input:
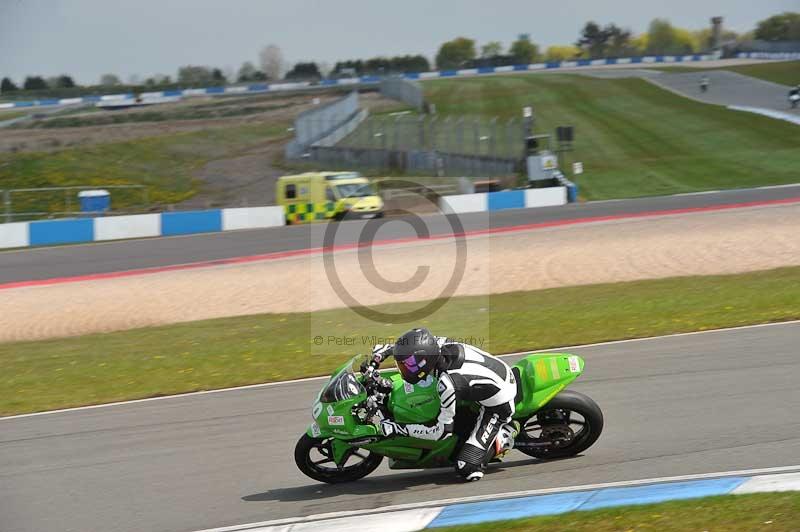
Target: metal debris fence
x,y
404,90
412,143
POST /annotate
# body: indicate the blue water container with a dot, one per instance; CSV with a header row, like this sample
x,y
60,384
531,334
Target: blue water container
x,y
572,192
94,201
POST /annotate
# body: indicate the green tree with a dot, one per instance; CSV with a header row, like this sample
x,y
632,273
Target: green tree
x,y
783,27
246,72
304,71
491,49
592,40
663,38
109,80
410,63
194,75
64,82
453,54
7,86
618,41
608,41
562,53
35,83
217,76
523,50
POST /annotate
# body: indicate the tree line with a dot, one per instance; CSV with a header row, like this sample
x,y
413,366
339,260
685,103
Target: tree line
x,y
594,41
610,40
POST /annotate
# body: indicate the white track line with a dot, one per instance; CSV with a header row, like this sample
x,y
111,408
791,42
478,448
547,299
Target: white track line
x,y
509,495
311,379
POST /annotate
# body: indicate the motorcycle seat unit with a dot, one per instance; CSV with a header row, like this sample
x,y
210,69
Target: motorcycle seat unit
x,y
518,378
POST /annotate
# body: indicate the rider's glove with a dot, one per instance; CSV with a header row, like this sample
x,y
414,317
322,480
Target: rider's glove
x,y
381,352
390,428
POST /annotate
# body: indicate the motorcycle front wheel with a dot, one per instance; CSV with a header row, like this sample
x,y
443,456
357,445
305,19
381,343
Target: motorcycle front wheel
x,y
314,457
568,425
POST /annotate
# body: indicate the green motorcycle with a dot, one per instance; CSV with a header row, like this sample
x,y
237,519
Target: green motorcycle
x,y
343,443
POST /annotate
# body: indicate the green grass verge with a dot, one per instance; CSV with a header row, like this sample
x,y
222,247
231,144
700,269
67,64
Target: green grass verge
x,y
8,115
261,348
783,72
634,138
165,164
773,512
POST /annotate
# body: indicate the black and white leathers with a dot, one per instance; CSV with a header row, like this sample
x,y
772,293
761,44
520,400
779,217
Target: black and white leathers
x,y
470,374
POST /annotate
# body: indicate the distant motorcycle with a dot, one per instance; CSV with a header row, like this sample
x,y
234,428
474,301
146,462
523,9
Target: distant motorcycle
x,y
794,99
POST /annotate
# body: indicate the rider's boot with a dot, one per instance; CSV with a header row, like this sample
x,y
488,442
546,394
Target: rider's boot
x,y
469,472
505,440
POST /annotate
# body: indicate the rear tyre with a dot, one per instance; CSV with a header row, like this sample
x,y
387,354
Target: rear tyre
x,y
314,457
571,422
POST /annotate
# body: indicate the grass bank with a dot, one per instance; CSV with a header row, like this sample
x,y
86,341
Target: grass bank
x,y
165,164
634,138
774,512
261,348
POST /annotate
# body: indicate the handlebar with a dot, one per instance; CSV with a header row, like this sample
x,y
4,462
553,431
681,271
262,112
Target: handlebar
x,y
372,377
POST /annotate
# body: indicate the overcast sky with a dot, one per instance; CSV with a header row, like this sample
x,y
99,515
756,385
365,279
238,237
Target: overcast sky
x,y
86,38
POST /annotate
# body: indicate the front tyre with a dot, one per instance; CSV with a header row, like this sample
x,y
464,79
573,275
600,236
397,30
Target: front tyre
x,y
314,457
568,425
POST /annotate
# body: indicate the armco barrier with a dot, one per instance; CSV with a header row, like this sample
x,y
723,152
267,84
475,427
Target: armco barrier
x,y
73,231
507,199
373,80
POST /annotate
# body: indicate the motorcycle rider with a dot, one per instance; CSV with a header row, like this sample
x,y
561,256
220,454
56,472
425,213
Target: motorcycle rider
x,y
794,96
464,373
704,83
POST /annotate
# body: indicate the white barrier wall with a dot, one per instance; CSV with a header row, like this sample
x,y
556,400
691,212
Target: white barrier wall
x,y
506,199
462,203
14,235
87,229
545,197
133,226
252,217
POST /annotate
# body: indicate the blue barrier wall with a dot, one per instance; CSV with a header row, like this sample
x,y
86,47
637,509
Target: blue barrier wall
x,y
50,232
510,199
105,228
190,222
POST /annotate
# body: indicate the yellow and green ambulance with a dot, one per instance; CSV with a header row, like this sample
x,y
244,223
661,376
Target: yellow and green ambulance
x,y
319,196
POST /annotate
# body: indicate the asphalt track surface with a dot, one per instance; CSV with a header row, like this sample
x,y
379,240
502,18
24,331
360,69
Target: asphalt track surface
x,y
728,88
702,403
103,258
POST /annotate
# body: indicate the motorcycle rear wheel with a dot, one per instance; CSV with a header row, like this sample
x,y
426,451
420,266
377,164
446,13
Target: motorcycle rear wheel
x,y
556,422
316,468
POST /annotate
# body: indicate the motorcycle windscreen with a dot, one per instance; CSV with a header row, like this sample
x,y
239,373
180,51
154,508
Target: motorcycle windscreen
x,y
343,386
